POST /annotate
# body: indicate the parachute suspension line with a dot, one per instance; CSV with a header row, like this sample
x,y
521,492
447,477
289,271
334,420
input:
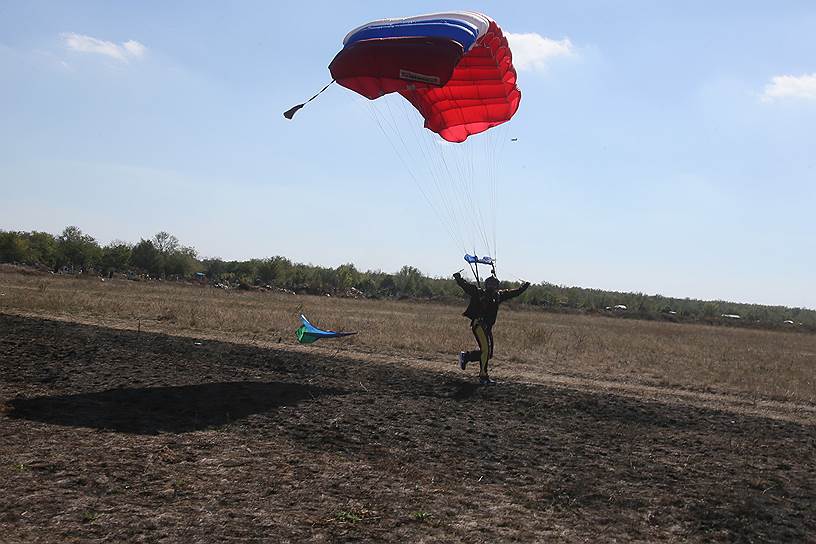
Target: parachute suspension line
x,y
467,158
499,161
485,214
434,173
464,178
472,212
372,112
447,218
470,175
458,180
490,147
450,193
466,185
498,138
443,214
469,182
487,151
496,155
433,149
294,109
492,142
475,270
458,191
448,186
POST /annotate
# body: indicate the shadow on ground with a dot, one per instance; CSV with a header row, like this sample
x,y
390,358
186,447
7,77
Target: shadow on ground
x,y
461,389
175,409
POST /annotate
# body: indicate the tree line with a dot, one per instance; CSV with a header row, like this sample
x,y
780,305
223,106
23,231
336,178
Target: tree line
x,y
164,257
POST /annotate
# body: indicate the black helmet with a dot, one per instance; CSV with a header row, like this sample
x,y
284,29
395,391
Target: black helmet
x,y
492,282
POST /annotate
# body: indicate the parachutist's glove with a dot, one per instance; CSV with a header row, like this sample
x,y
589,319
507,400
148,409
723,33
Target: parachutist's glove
x,y
457,276
526,284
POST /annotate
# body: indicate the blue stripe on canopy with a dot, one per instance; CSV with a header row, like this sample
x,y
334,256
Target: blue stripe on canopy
x,y
459,31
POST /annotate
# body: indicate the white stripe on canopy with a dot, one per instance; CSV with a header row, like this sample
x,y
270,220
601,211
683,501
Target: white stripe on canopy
x,y
477,20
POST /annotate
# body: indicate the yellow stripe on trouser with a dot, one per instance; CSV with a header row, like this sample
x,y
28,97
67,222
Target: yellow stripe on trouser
x,y
484,346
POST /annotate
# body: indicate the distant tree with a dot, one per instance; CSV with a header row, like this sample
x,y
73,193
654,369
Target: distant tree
x,y
244,271
163,256
76,249
710,309
14,247
408,280
573,297
214,268
43,248
385,284
273,270
116,257
298,277
145,256
346,277
165,243
180,262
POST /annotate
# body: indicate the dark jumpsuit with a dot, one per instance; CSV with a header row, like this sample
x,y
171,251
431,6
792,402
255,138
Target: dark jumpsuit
x,y
482,311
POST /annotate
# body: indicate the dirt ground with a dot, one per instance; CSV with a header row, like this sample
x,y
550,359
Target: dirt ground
x,y
111,435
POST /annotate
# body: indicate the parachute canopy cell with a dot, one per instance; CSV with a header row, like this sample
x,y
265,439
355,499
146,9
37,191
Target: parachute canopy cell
x,y
455,68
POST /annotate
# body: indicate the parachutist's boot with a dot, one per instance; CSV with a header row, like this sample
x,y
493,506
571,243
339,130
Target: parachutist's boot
x,y
485,380
462,360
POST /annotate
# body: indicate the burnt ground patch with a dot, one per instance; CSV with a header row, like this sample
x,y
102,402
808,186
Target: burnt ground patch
x,y
169,409
145,437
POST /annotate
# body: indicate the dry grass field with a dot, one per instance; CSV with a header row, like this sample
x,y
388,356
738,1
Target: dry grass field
x,y
765,364
163,412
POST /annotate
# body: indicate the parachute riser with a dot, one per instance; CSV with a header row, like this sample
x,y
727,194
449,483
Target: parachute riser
x,y
476,274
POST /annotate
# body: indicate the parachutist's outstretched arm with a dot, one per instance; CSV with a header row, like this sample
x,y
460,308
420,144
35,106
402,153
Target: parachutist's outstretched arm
x,y
506,294
466,286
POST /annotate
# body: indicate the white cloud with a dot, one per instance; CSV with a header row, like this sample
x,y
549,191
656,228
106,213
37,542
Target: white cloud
x,y
87,44
134,48
532,51
782,87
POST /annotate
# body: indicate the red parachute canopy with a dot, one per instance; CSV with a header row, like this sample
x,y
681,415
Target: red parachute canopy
x,y
456,69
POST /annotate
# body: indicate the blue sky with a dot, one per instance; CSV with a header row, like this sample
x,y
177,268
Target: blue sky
x,y
662,147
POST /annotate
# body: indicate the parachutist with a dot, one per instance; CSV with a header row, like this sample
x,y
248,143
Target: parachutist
x,y
482,310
